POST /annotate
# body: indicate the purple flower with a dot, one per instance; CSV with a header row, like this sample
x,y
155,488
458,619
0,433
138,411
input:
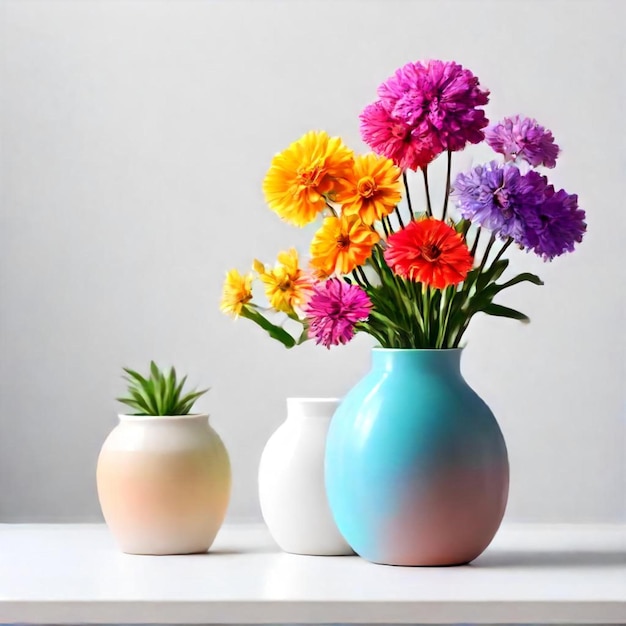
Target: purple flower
x,y
499,198
524,138
333,311
424,109
556,226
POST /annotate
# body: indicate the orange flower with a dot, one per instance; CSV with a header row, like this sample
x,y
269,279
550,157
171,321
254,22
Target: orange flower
x,y
341,244
372,190
302,177
431,252
286,286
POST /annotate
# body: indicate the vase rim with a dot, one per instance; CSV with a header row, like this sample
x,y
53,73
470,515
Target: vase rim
x,y
123,417
377,349
313,400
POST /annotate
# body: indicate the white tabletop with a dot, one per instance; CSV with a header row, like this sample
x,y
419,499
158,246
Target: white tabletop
x,y
530,574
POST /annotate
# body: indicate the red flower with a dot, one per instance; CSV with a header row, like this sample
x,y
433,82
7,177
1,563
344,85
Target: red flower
x,y
431,252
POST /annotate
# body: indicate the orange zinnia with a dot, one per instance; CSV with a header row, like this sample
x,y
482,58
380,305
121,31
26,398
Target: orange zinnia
x,y
431,252
304,176
341,244
372,190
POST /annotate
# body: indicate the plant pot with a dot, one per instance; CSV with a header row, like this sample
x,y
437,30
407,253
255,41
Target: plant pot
x,y
164,484
291,481
416,466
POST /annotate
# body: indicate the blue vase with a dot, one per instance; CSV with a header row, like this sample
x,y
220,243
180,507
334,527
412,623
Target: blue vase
x,y
416,467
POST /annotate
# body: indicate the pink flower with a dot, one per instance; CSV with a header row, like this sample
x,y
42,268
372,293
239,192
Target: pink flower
x,y
333,311
424,109
392,138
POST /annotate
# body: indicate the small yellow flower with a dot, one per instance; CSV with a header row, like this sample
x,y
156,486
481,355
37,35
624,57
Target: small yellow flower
x,y
287,286
303,176
341,244
237,292
372,190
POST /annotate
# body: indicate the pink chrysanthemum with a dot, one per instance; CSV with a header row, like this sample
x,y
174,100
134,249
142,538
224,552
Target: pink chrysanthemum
x,y
405,146
523,137
333,311
425,108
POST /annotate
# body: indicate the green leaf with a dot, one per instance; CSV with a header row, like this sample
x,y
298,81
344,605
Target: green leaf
x,y
462,226
491,274
132,404
190,398
138,377
148,399
154,370
504,311
274,331
521,278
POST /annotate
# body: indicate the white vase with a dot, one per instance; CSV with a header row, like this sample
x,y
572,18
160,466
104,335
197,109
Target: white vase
x,y
164,483
291,481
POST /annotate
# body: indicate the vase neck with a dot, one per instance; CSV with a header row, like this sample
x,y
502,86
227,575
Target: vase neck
x,y
299,408
445,362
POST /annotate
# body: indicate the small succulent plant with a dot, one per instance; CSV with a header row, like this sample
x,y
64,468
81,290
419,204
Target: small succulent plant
x,y
159,394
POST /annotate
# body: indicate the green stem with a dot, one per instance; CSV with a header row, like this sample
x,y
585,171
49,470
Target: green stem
x,y
492,240
399,217
356,277
408,195
364,276
509,241
389,225
475,246
385,227
447,317
429,208
445,200
332,210
481,267
426,300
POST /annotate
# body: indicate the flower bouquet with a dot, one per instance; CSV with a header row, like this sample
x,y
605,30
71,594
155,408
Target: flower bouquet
x,y
416,468
408,273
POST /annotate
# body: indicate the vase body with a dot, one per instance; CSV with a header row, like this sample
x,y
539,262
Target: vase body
x,y
164,484
416,466
291,481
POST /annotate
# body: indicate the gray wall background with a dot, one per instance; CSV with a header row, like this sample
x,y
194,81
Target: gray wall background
x,y
134,139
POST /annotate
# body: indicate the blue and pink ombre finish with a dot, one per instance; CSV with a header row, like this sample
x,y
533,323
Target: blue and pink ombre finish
x,y
416,466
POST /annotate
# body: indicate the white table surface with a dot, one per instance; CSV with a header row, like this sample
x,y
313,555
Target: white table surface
x,y
530,574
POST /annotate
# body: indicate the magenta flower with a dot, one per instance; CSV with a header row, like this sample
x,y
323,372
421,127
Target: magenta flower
x,y
522,137
333,311
392,138
424,109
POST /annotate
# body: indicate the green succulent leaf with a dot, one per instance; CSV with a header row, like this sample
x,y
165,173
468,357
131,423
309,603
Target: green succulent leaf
x,y
159,394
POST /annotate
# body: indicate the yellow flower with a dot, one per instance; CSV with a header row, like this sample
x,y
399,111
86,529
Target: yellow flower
x,y
236,293
372,190
303,176
287,286
341,244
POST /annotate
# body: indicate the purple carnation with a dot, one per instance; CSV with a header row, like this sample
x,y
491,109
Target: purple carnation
x,y
556,226
333,311
424,109
499,197
524,138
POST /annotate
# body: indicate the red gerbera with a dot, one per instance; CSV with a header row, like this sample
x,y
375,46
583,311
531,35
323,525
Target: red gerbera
x,y
431,252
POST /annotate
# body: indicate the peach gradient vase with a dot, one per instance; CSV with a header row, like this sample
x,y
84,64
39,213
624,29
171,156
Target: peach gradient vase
x,y
164,483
